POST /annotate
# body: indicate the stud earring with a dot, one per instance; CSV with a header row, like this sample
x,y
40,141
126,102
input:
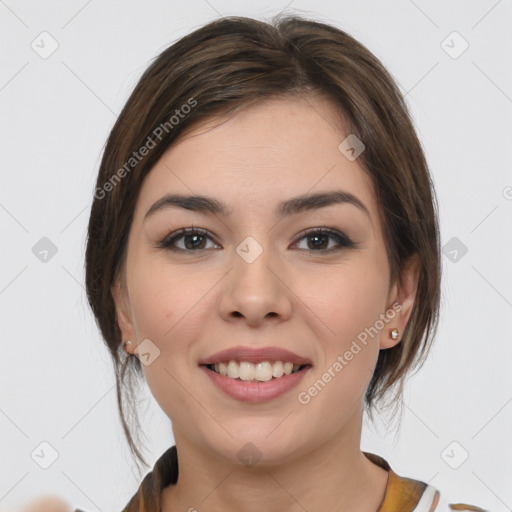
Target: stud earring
x,y
394,333
125,344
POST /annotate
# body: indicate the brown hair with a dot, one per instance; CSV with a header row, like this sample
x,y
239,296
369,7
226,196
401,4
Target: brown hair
x,y
223,67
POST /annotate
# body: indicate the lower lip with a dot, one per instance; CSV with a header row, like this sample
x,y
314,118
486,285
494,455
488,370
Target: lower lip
x,y
255,391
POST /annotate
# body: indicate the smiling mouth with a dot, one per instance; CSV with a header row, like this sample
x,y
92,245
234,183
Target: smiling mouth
x,y
260,372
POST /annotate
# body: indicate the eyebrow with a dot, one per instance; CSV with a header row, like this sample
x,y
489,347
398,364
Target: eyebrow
x,y
295,205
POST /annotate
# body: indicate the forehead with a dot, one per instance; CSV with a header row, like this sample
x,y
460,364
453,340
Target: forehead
x,y
262,155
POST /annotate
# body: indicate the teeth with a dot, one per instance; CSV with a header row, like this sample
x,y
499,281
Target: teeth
x,y
247,371
277,370
233,370
262,372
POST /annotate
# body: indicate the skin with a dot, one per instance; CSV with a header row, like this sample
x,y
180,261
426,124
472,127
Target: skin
x,y
48,504
312,301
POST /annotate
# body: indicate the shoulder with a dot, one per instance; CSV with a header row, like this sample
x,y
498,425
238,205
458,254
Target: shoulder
x,y
422,497
148,495
409,495
430,499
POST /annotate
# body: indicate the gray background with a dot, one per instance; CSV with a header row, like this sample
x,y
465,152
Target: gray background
x,y
56,112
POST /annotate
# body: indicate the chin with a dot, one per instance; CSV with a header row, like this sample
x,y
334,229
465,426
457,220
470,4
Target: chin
x,y
256,447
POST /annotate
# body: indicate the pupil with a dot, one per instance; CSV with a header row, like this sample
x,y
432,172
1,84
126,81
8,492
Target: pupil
x,y
195,237
316,237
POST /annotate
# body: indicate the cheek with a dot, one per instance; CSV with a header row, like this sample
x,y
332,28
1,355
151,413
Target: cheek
x,y
152,300
165,306
350,301
349,304
350,307
164,301
170,307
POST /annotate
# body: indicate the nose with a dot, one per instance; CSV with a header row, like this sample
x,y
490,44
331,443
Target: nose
x,y
256,291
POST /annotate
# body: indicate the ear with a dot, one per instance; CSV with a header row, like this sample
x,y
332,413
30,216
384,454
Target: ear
x,y
124,312
402,292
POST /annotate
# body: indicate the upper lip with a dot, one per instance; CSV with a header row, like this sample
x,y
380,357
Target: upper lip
x,y
255,355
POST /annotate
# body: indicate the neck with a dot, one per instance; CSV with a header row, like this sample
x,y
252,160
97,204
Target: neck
x,y
317,479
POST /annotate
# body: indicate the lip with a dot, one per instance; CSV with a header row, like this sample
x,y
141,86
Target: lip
x,y
256,392
255,355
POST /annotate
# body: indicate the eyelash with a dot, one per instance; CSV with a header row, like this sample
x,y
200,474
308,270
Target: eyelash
x,y
344,242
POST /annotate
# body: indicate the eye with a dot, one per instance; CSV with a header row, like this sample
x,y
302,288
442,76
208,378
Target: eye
x,y
320,237
193,239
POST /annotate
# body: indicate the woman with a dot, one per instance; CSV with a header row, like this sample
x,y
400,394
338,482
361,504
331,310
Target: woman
x,y
263,249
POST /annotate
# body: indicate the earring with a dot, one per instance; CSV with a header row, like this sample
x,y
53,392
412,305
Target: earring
x,y
394,333
125,344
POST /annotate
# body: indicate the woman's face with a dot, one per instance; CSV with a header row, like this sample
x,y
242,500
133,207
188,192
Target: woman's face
x,y
252,278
